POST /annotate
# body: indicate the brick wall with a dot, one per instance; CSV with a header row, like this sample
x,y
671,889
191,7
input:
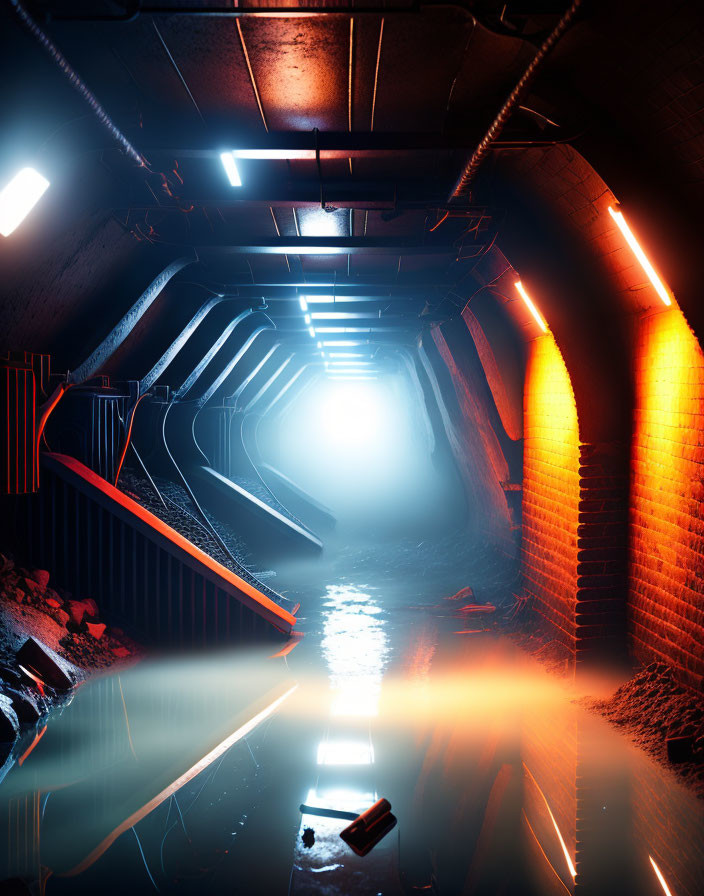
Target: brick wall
x,y
666,593
550,488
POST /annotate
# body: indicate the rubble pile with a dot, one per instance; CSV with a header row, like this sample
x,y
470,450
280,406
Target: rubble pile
x,y
663,717
49,642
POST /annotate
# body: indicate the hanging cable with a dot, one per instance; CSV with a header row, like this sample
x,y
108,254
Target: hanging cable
x,y
78,84
470,170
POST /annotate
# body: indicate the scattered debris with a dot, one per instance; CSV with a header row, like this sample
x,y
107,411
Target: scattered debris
x,y
369,828
478,609
44,652
35,658
663,717
463,594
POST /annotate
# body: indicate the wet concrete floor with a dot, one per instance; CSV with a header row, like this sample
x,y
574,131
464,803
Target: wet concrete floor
x,y
188,774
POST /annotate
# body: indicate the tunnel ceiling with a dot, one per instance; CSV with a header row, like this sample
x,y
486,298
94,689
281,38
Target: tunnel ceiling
x,y
372,113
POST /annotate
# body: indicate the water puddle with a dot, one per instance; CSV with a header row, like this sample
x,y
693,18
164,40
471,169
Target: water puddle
x,y
236,772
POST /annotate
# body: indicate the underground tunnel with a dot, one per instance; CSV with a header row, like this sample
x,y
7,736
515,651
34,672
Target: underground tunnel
x,y
352,477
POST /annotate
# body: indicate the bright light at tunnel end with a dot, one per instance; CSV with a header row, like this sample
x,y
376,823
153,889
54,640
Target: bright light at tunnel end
x,y
643,260
18,198
531,306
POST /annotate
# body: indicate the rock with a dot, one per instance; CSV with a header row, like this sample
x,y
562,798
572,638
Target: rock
x,y
77,610
80,608
31,587
14,592
120,652
463,594
9,723
55,604
41,577
91,606
37,660
96,629
680,748
62,617
25,706
75,628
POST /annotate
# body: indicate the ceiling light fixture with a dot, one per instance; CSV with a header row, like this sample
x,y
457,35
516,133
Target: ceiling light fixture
x,y
302,302
231,170
312,332
531,307
643,260
307,319
19,197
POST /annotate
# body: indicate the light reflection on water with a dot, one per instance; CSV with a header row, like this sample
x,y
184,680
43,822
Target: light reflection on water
x,y
500,782
355,649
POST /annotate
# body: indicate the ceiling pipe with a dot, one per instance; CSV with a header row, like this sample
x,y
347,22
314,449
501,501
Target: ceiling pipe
x,y
119,333
330,245
469,172
233,399
150,378
79,85
135,9
230,366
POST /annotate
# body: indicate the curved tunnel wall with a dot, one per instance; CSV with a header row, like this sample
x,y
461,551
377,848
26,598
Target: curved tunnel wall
x,y
550,488
666,591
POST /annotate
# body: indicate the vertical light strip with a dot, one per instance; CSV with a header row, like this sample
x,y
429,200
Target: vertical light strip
x,y
629,236
663,883
531,306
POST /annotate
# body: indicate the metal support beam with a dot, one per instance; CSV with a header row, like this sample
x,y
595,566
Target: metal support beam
x,y
309,145
230,366
330,245
270,382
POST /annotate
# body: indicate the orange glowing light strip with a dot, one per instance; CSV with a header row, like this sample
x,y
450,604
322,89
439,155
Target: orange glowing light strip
x,y
568,858
658,285
176,785
36,740
531,307
663,883
251,597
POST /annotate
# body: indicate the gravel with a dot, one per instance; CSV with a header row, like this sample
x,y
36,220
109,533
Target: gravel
x,y
652,707
182,515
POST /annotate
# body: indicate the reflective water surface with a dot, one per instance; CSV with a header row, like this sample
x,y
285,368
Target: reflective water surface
x,y
208,773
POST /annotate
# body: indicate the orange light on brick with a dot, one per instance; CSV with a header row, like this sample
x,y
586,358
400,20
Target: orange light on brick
x,y
531,306
663,883
629,236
